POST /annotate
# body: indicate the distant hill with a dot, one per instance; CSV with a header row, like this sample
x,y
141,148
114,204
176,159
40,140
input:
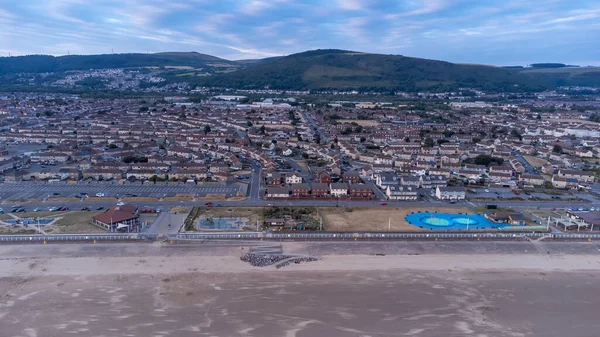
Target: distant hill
x,y
45,63
323,69
344,70
565,76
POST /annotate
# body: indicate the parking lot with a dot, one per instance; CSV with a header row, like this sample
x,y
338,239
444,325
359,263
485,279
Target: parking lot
x,y
505,193
42,191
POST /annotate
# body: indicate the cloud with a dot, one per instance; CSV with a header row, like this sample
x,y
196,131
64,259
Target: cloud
x,y
351,5
438,29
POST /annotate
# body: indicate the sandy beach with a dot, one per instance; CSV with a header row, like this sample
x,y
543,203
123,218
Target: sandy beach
x,y
509,289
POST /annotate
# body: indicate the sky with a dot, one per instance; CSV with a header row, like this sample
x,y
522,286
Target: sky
x,y
498,32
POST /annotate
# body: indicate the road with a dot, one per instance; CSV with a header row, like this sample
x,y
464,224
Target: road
x,y
254,192
163,205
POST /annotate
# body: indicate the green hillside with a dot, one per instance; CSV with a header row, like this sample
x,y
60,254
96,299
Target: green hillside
x,y
339,69
586,77
45,63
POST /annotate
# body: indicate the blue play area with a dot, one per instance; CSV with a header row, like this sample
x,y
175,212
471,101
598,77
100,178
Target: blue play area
x,y
222,224
451,222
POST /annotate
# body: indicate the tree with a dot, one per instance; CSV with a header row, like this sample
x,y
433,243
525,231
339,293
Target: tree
x,y
448,133
305,155
206,129
262,130
557,149
484,159
476,139
335,140
595,117
249,123
539,117
516,133
112,146
332,146
428,142
407,139
442,141
548,184
363,139
273,141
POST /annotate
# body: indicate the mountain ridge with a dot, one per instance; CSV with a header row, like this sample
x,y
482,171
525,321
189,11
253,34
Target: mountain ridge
x,y
320,69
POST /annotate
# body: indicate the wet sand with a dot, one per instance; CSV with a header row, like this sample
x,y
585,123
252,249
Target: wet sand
x,y
131,290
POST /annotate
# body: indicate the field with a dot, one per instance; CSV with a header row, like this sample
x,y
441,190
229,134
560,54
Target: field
x,y
535,161
375,219
69,223
359,122
75,223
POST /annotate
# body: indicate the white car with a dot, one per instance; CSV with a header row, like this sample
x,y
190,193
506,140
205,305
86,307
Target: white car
x,y
99,195
37,209
487,191
120,203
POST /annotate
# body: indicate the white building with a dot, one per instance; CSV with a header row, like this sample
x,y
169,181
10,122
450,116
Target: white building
x,y
293,179
450,193
397,192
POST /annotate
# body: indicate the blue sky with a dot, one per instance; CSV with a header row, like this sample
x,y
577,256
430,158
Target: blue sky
x,y
468,31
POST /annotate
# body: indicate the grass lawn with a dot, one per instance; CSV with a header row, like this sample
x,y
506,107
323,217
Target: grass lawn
x,y
76,223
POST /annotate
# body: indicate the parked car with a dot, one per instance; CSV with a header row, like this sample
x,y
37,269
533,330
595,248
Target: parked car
x,y
218,205
20,210
120,203
55,193
100,208
37,209
383,204
1,211
85,208
99,195
487,191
